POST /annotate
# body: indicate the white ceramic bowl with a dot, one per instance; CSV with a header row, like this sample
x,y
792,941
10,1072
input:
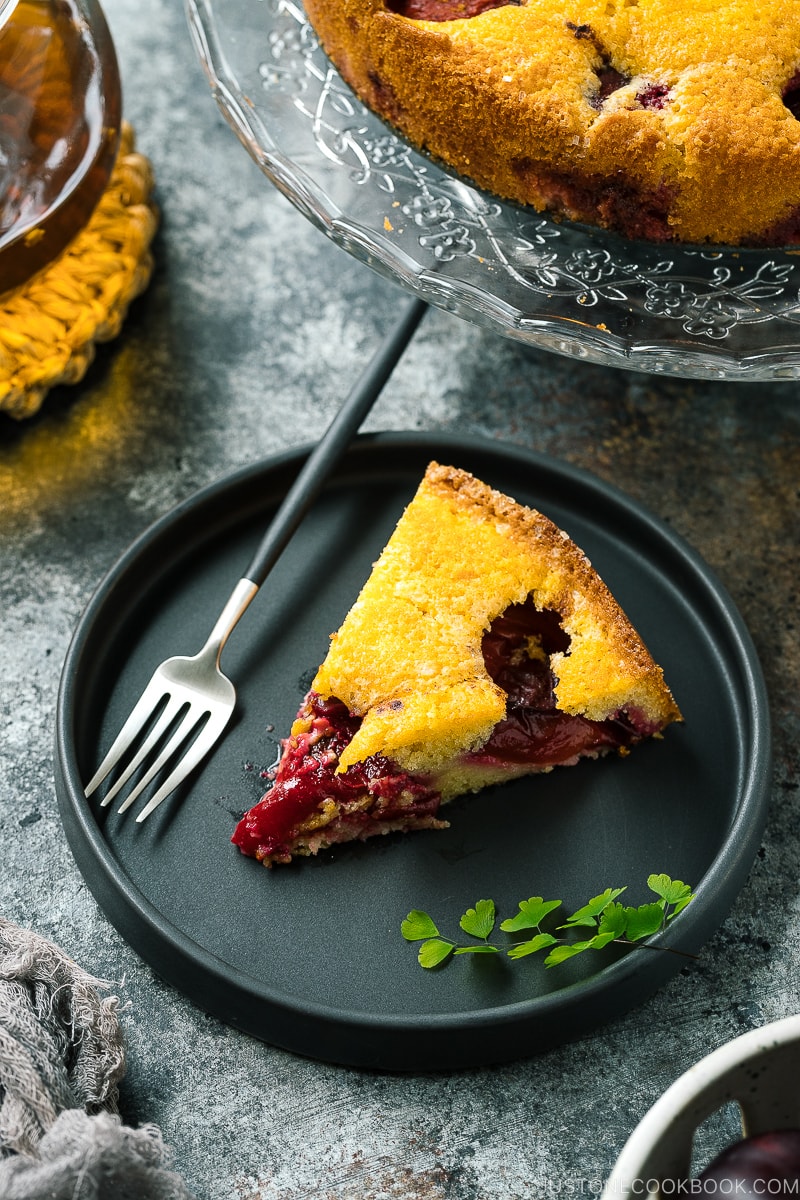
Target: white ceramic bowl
x,y
760,1072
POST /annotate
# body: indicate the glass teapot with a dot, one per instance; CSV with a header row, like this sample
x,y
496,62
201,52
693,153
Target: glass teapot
x,y
60,114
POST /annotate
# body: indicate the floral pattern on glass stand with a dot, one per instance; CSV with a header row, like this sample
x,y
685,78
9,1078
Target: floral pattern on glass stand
x,y
690,310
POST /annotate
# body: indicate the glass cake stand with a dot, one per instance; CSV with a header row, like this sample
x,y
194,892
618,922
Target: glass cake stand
x,y
688,311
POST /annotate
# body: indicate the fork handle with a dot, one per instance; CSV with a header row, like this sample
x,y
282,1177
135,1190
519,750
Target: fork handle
x,y
315,472
228,619
333,443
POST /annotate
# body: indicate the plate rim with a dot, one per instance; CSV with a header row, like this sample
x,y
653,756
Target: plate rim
x,y
733,859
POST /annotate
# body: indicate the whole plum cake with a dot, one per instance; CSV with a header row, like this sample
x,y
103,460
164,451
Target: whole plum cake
x,y
669,120
483,647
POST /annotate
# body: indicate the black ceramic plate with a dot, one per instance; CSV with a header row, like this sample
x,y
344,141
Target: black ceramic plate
x,y
309,957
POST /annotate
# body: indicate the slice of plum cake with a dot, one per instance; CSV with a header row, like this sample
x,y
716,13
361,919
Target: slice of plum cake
x,y
484,646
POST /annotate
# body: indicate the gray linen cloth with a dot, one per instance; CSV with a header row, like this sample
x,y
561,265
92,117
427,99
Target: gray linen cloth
x,y
61,1060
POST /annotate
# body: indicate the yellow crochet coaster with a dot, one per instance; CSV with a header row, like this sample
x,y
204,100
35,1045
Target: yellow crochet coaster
x,y
50,325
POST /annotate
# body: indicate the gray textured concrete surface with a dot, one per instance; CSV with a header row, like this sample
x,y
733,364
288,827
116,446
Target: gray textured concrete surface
x,y
252,329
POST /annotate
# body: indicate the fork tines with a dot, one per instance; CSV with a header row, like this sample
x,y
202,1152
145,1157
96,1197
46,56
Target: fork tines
x,y
165,721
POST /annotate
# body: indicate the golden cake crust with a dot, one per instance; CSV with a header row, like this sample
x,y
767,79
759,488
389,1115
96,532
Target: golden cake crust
x,y
662,119
408,657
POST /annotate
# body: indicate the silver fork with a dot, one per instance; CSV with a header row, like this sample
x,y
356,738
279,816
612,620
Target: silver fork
x,y
193,691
